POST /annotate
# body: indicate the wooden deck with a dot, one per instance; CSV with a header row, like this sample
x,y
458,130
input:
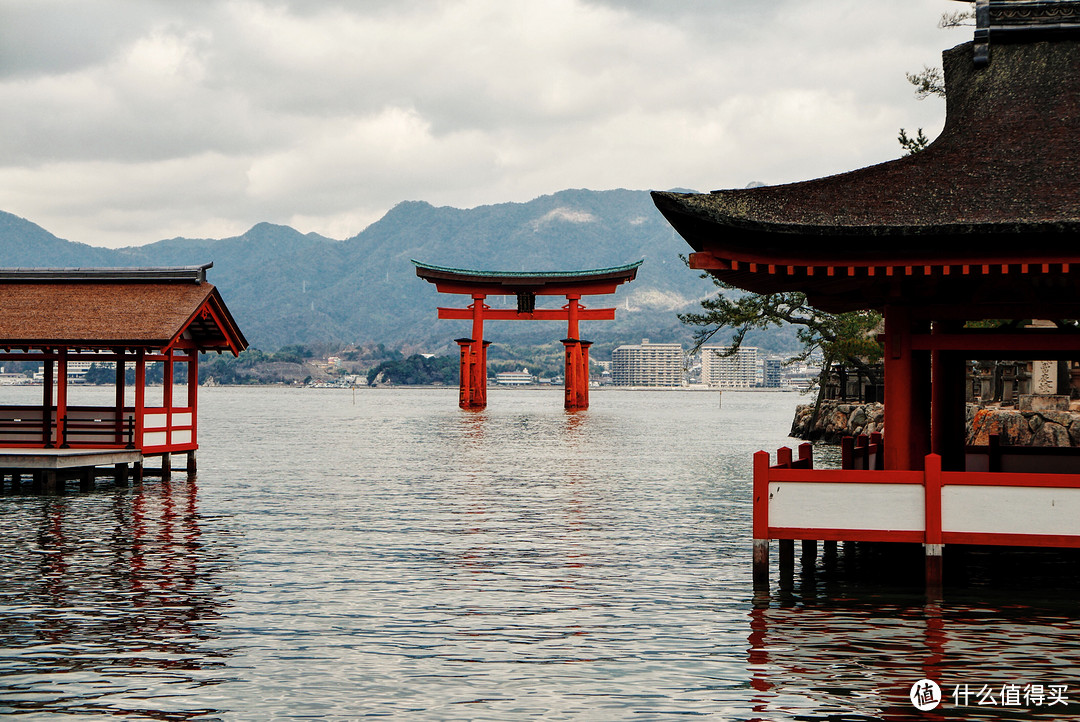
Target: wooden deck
x,y
49,469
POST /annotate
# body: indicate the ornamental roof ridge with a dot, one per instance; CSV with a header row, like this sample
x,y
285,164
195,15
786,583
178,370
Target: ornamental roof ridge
x,y
529,274
143,274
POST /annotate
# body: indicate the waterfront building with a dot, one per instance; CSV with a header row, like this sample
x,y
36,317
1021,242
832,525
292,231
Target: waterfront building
x,y
771,373
734,371
647,364
514,378
123,316
957,246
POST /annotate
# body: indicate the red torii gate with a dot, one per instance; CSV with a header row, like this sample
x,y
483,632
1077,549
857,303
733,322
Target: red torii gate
x,y
526,286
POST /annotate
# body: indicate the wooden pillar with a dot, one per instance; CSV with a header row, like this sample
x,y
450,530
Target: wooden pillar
x,y
576,376
906,394
167,394
465,376
86,479
47,403
61,399
761,521
473,389
933,538
193,402
140,397
947,405
191,466
120,474
119,427
166,466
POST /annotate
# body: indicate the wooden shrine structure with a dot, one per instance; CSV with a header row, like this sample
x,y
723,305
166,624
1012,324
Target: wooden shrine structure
x,y
124,317
526,286
983,225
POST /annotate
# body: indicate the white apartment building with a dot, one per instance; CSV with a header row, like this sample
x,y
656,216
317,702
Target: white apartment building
x,y
739,371
647,364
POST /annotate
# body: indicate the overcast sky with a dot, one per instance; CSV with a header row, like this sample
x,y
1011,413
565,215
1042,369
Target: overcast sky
x,y
124,122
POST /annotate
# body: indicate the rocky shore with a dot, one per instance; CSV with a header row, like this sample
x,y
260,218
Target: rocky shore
x,y
1015,427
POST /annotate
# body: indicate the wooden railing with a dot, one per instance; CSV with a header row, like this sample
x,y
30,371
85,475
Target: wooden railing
x,y
862,502
162,430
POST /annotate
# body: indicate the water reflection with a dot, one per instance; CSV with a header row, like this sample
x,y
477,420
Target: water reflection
x,y
108,603
841,645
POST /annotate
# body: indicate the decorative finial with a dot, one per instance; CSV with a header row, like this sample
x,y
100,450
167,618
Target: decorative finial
x,y
1010,21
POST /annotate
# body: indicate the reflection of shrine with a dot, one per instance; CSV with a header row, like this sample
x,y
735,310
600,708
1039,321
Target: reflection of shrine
x,y
962,248
126,580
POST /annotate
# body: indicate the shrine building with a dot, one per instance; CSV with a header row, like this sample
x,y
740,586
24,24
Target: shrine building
x,y
963,247
123,318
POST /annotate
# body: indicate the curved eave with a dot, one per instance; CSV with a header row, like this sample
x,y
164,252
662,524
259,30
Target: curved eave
x,y
460,280
750,239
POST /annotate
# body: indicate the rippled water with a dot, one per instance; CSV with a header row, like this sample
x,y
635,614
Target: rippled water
x,y
382,553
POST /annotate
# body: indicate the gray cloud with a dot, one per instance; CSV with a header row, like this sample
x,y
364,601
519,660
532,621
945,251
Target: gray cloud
x,y
124,123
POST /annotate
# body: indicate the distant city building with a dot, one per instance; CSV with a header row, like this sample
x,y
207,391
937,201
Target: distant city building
x,y
771,373
514,378
647,364
738,371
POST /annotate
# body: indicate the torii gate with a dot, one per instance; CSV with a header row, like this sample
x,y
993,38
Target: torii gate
x,y
526,286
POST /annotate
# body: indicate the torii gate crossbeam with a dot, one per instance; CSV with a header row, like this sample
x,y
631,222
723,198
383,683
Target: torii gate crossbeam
x,y
526,286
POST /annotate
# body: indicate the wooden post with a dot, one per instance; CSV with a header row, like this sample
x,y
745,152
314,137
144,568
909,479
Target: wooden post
x,y
47,403
191,467
193,402
166,466
933,545
119,426
465,373
120,474
906,396
761,521
61,399
140,397
86,479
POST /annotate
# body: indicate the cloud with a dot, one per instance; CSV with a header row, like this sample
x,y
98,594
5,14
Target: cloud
x,y
182,118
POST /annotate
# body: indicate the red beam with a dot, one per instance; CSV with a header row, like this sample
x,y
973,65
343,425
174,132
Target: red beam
x,y
996,342
540,314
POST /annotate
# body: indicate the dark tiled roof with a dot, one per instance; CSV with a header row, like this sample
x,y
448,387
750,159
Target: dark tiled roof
x,y
103,314
1006,164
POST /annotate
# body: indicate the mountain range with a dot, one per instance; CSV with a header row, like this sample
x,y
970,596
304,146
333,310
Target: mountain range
x,y
287,287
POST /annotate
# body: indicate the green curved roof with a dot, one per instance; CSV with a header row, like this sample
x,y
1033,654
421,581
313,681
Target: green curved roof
x,y
531,275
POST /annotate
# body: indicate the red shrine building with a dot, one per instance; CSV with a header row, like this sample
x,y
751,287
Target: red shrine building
x,y
964,247
125,318
526,286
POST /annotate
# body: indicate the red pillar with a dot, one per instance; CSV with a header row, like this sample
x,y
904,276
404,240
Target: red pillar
x,y
119,428
465,376
61,399
140,396
193,392
907,394
576,377
47,402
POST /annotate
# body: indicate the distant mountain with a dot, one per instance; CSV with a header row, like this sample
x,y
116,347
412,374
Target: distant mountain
x,y
285,287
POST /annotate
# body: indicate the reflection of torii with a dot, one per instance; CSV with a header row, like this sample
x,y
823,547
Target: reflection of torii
x,y
526,286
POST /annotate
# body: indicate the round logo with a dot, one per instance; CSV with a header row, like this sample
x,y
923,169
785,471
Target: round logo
x,y
925,695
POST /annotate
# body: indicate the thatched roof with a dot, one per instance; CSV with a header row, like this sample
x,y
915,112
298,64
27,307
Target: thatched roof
x,y
108,308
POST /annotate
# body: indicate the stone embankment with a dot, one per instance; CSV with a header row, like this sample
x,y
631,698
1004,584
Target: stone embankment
x,y
836,420
1015,427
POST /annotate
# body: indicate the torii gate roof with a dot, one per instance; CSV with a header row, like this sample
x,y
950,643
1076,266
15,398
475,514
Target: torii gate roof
x,y
545,283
